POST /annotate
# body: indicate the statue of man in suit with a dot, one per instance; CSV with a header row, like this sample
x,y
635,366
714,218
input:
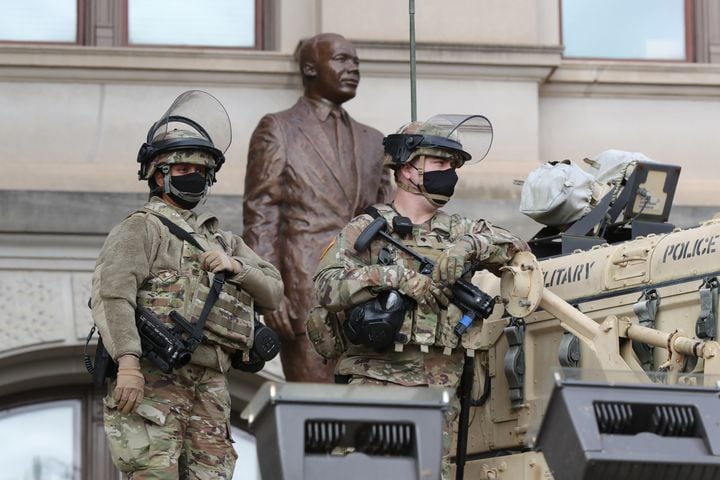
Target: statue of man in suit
x,y
311,169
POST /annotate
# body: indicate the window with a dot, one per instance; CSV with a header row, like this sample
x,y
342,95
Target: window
x,y
21,22
42,441
218,23
54,433
188,23
58,434
627,29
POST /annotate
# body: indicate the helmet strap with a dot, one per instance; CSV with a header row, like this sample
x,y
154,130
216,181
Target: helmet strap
x,y
419,188
165,169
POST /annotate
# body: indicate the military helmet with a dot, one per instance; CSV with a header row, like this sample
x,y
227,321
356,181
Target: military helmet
x,y
195,129
184,154
440,136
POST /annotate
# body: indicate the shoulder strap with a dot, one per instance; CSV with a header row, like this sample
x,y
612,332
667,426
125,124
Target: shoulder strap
x,y
385,211
379,210
178,232
372,211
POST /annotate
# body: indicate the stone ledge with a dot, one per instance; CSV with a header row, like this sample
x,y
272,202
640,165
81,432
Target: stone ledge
x,y
90,213
561,77
37,217
79,64
71,63
633,79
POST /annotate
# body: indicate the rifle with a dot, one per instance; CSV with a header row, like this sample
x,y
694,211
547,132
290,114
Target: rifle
x,y
162,345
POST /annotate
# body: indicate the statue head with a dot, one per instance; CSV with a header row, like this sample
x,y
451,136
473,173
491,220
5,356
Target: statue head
x,y
329,67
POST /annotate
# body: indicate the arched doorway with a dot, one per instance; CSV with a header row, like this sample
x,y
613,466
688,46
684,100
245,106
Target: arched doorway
x,y
51,417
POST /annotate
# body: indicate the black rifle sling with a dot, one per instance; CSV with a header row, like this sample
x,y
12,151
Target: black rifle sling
x,y
218,279
179,232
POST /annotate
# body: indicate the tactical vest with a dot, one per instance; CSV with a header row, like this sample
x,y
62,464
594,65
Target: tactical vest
x,y
230,322
418,328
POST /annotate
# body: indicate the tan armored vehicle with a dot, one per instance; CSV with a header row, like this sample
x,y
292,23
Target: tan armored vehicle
x,y
639,315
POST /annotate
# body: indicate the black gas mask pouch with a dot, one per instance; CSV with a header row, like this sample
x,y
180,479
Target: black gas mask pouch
x,y
377,323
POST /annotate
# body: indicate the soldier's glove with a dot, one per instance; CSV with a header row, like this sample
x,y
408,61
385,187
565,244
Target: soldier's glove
x,y
422,289
450,263
217,261
130,387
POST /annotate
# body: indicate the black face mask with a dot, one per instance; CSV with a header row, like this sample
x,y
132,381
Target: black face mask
x,y
440,182
193,184
190,183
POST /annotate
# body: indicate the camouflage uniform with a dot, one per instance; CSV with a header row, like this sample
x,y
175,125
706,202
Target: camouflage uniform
x,y
431,354
181,429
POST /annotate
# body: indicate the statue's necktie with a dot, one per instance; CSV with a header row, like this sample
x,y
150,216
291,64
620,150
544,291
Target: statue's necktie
x,y
345,152
343,144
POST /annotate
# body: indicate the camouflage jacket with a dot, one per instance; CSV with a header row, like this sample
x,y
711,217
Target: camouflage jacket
x,y
141,250
346,278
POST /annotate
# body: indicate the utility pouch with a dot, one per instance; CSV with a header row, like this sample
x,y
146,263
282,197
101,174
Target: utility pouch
x,y
265,347
324,332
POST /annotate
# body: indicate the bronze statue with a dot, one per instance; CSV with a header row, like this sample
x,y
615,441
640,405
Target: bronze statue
x,y
310,170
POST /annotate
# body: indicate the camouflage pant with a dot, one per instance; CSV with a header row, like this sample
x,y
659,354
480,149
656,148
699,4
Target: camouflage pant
x,y
449,419
181,430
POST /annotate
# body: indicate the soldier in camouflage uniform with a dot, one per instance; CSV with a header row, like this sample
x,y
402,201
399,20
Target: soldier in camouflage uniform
x,y
426,351
176,425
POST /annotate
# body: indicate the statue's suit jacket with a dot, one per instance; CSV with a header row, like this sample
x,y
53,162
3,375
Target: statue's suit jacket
x,y
297,197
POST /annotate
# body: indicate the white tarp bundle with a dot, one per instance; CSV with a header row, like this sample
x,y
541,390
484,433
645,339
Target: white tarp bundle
x,y
562,193
557,194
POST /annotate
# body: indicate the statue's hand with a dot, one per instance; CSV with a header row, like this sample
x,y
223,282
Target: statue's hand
x,y
279,321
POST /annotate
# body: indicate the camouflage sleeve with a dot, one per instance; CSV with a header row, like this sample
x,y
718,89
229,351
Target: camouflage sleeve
x,y
344,277
258,277
121,268
494,246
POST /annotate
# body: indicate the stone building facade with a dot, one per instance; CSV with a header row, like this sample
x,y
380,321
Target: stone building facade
x,y
75,113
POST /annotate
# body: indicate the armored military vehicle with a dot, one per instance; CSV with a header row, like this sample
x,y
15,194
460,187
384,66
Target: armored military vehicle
x,y
603,362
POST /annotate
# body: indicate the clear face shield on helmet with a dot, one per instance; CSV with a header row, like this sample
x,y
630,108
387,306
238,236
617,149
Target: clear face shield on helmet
x,y
474,133
198,112
195,130
459,138
465,137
